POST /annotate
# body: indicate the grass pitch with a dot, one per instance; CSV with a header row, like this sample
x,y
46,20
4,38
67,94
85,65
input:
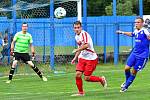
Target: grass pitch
x,y
61,86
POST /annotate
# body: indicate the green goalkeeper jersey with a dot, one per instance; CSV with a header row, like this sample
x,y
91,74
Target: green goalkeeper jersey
x,y
22,42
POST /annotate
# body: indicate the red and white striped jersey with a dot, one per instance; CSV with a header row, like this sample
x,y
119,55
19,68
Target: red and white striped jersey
x,y
89,53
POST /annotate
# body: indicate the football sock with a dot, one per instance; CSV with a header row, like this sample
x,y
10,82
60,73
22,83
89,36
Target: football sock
x,y
95,79
79,84
11,73
129,81
37,71
127,74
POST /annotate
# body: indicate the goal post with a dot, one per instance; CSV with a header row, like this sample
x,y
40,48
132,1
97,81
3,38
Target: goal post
x,y
44,27
79,7
73,9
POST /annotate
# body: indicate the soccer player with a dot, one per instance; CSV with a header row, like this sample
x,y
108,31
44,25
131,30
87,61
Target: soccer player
x,y
87,59
139,55
22,41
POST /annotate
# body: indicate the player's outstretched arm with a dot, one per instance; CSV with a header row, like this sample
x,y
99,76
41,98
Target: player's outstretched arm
x,y
12,47
32,51
77,51
147,33
148,37
125,33
81,48
75,57
32,48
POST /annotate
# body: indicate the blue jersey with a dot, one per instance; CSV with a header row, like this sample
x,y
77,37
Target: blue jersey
x,y
141,48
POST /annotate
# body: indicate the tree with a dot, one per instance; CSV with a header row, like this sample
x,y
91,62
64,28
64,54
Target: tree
x,y
146,7
123,8
97,7
108,10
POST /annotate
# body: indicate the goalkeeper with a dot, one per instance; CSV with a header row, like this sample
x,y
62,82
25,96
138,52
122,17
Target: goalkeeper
x,y
22,41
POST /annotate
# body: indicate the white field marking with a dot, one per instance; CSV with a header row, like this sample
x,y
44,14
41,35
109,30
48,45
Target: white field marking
x,y
38,94
30,93
16,98
3,77
60,74
19,75
13,79
112,71
26,74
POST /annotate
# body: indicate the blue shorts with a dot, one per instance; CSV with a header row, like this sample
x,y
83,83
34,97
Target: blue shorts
x,y
137,63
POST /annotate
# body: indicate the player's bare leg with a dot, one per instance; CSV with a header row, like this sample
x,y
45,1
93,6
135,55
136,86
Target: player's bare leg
x,y
11,73
37,70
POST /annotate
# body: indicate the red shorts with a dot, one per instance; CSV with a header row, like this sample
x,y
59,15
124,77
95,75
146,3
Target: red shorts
x,y
86,66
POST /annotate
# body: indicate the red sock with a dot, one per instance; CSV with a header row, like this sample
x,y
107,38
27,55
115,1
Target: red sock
x,y
79,84
95,79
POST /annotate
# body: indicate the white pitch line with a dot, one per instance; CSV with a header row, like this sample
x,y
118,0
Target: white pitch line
x,y
30,93
19,93
63,74
3,77
13,79
47,93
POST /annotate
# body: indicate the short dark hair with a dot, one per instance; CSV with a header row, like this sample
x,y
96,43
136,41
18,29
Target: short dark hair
x,y
140,18
77,23
24,23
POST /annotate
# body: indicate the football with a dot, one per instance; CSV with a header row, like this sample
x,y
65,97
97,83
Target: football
x,y
60,12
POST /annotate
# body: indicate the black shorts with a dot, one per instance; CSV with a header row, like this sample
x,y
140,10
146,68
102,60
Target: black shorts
x,y
22,56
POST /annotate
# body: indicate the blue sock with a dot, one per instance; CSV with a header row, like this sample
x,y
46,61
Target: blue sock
x,y
129,81
127,74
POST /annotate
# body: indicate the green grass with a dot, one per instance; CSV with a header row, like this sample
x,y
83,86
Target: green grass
x,y
59,50
67,50
61,86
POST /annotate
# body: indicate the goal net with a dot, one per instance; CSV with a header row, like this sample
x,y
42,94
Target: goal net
x,y
37,14
64,37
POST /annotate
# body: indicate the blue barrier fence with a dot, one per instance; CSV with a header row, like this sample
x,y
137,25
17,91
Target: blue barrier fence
x,y
102,30
97,27
50,31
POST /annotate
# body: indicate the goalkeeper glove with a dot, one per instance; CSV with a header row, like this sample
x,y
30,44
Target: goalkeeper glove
x,y
11,52
33,56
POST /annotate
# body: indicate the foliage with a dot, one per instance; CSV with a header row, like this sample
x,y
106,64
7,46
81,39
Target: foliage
x,y
97,8
94,8
123,8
